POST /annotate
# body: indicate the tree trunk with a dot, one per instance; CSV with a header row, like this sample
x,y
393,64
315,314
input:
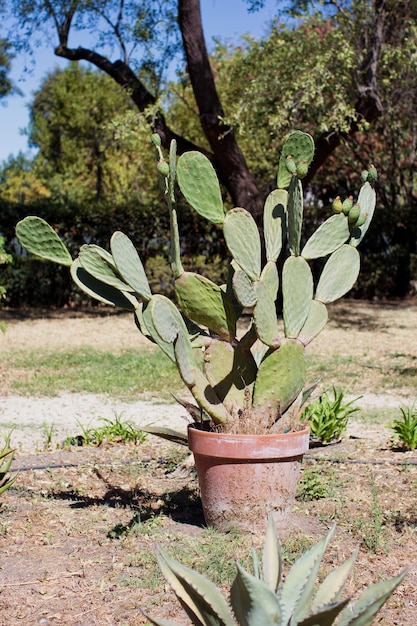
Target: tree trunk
x,y
229,160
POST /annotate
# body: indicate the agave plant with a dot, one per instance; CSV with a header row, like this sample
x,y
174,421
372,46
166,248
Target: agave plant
x,y
259,378
6,459
264,598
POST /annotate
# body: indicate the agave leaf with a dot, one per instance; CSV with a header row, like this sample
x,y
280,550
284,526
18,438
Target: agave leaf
x,y
200,598
167,433
326,616
272,557
370,601
253,602
332,586
297,591
9,483
99,290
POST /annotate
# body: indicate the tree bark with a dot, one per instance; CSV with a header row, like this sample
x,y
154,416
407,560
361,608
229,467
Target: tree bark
x,y
229,159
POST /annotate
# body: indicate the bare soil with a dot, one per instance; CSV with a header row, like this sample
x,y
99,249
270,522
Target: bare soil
x,y
78,528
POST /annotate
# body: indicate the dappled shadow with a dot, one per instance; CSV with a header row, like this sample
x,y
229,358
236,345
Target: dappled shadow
x,y
182,505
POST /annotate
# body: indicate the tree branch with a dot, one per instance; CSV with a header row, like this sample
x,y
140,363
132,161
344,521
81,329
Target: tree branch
x,y
126,78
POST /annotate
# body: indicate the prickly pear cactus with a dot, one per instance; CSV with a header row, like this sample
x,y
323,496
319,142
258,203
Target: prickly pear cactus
x,y
258,374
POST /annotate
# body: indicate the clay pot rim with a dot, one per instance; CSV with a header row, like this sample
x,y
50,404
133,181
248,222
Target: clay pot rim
x,y
256,447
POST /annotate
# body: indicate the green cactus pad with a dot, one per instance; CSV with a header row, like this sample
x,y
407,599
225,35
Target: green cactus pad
x,y
327,238
295,215
200,186
185,359
145,321
270,278
39,238
166,318
281,377
300,146
243,240
101,291
129,264
367,202
265,317
205,303
99,263
339,274
244,289
275,221
315,322
229,371
297,294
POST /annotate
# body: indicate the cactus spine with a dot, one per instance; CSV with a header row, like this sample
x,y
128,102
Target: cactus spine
x,y
261,374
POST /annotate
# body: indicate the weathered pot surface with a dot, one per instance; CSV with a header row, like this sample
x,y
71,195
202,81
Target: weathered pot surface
x,y
243,478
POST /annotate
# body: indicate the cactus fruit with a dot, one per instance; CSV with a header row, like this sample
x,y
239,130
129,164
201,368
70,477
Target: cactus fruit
x,y
259,374
266,598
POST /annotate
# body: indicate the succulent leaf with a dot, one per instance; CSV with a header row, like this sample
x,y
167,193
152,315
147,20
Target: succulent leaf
x,y
331,588
243,240
295,215
281,377
370,601
99,263
146,318
299,146
297,590
129,265
264,316
339,274
275,222
327,238
272,557
39,238
244,288
229,371
253,602
202,601
367,202
270,278
100,290
316,320
200,186
297,294
205,303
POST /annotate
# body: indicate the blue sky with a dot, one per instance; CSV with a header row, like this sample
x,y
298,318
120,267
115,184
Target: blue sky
x,y
221,18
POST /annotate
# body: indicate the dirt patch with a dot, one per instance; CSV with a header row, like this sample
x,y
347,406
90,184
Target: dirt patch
x,y
78,529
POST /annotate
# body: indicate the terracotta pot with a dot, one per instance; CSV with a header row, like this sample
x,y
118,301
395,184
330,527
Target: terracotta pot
x,y
245,477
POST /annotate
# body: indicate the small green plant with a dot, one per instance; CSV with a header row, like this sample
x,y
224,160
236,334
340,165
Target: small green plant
x,y
4,258
405,428
48,433
328,416
372,529
312,486
263,598
117,430
6,459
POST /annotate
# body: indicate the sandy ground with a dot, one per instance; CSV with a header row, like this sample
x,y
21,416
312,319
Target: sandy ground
x,y
353,328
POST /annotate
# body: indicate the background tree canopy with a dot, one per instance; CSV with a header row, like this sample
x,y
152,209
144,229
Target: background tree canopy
x,y
346,74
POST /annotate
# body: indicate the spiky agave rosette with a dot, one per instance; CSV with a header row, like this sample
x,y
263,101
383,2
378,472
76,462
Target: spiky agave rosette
x,y
255,382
